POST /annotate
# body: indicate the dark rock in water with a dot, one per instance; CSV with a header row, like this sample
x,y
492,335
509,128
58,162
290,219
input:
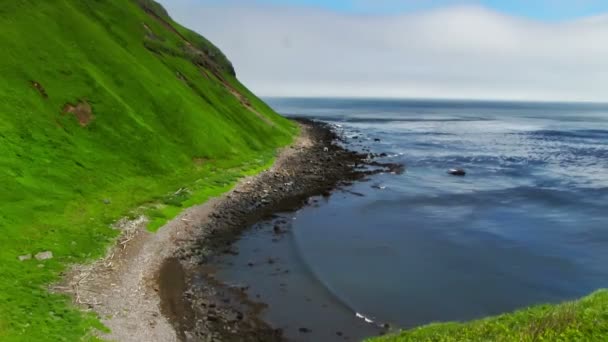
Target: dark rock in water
x,y
305,330
457,172
376,140
277,229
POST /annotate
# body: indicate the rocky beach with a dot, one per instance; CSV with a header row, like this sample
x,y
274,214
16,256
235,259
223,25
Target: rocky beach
x,y
314,166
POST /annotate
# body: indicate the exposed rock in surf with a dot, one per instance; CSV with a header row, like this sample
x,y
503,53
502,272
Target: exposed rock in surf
x,y
457,172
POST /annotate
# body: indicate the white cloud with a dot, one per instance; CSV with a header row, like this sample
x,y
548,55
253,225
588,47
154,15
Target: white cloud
x,y
451,52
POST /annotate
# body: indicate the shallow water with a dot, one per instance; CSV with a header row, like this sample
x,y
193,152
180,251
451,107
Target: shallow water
x,y
528,223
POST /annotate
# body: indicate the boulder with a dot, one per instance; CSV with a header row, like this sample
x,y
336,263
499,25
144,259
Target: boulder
x,y
25,257
44,255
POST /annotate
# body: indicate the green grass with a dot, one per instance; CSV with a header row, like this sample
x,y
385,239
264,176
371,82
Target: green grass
x,y
582,320
164,121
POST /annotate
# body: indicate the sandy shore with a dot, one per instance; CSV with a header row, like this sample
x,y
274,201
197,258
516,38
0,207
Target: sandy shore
x,y
153,287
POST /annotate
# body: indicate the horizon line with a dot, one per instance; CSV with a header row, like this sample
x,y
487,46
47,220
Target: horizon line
x,y
437,99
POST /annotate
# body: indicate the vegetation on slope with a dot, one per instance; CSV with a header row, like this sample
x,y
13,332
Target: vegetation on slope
x,y
107,106
582,320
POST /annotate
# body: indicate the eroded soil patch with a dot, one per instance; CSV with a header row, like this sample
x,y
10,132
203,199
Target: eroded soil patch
x,y
82,111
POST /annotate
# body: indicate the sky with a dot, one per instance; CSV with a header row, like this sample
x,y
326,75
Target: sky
x,y
531,50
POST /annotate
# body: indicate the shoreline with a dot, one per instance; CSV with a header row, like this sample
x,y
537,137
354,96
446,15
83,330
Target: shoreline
x,y
144,289
314,166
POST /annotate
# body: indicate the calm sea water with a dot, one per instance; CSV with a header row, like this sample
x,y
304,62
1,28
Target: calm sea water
x,y
528,224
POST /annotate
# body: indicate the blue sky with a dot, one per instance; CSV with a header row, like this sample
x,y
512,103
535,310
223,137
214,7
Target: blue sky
x,y
549,10
461,49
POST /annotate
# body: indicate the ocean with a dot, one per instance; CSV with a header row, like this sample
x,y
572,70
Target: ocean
x,y
528,223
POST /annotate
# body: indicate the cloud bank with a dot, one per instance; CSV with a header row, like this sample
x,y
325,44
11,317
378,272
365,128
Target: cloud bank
x,y
466,52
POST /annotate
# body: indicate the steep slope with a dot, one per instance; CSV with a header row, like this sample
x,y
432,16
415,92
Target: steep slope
x,y
105,106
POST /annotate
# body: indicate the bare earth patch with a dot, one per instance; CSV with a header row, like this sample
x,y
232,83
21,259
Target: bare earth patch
x,y
82,111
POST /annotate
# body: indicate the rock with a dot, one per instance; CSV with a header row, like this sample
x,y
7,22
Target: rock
x,y
107,201
457,172
376,140
382,155
339,333
25,257
304,330
44,255
277,229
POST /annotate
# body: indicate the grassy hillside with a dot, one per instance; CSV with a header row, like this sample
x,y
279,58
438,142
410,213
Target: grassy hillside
x,y
583,320
107,106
